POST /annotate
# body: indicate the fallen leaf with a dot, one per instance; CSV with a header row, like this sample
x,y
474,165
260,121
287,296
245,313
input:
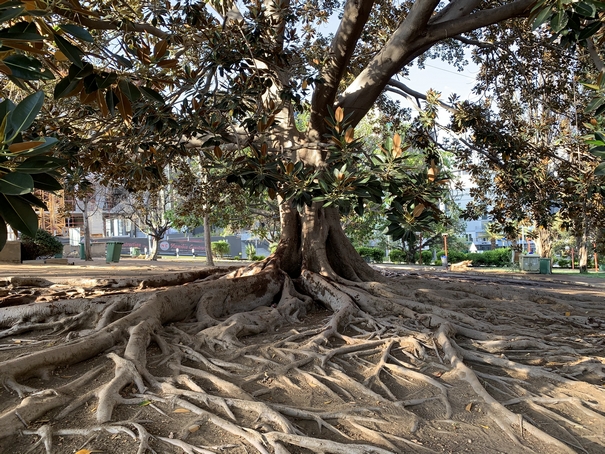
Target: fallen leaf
x,y
469,406
144,403
194,428
485,427
181,410
567,314
327,402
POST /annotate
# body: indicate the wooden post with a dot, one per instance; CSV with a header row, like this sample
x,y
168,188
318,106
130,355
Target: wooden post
x,y
445,244
572,260
420,251
596,258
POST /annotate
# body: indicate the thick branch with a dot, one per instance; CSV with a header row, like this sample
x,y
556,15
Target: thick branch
x,y
413,38
355,16
407,91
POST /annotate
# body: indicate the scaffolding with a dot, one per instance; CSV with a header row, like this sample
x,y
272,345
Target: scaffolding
x,y
53,219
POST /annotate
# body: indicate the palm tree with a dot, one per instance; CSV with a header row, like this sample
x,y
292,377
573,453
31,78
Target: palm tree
x,y
492,232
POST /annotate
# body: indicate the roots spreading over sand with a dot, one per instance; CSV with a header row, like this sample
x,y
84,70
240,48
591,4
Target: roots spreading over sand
x,y
254,361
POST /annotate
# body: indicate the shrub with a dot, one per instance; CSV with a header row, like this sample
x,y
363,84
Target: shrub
x,y
42,245
396,256
496,257
258,257
372,254
427,257
221,248
250,251
564,263
452,256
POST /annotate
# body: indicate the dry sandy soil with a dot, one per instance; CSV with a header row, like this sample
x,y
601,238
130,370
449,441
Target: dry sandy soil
x,y
475,364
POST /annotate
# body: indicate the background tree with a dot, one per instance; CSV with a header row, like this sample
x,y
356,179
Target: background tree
x,y
149,212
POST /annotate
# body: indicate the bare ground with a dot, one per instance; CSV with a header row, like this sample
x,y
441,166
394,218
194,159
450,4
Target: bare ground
x,y
420,363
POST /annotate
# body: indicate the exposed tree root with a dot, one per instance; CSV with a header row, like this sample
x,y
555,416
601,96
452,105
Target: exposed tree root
x,y
256,362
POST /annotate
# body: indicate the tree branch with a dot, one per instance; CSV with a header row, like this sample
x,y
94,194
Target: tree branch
x,y
411,39
97,24
594,55
355,16
405,90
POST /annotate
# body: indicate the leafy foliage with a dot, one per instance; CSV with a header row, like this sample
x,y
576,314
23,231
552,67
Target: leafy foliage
x,y
25,166
374,254
221,248
43,244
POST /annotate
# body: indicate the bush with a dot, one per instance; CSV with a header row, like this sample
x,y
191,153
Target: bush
x,y
250,251
564,263
372,254
221,248
497,257
396,256
427,257
452,256
256,258
42,245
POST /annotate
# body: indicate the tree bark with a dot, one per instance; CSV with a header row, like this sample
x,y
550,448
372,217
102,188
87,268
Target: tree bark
x,y
208,241
87,241
153,254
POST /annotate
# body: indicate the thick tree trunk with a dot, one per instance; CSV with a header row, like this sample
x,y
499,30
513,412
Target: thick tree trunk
x,y
153,254
315,241
208,241
583,253
544,242
87,248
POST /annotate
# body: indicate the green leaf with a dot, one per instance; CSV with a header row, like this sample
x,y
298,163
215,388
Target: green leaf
x,y
600,169
8,13
129,90
34,201
585,9
6,107
559,21
595,104
104,81
589,30
26,68
65,87
46,182
19,214
21,31
16,184
77,32
3,233
80,72
40,164
151,94
24,114
72,52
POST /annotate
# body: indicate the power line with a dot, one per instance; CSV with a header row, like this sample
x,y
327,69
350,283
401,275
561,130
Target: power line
x,y
449,71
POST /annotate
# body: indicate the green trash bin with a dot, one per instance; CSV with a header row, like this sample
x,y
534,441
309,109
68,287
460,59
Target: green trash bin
x,y
82,252
544,266
114,250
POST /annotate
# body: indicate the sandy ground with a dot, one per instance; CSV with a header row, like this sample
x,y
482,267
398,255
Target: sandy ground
x,y
130,267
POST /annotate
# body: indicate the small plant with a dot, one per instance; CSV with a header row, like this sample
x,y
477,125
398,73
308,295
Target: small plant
x,y
250,251
371,254
221,248
396,256
42,245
